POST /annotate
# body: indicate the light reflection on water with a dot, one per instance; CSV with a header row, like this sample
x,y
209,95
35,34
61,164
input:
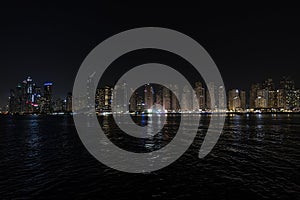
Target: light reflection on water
x,y
257,156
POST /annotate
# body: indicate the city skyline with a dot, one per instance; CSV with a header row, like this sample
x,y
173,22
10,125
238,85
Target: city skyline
x,y
29,97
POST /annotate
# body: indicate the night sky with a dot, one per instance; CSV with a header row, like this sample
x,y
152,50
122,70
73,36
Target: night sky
x,y
248,44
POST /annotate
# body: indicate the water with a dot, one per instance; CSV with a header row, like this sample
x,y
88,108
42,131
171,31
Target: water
x,y
256,157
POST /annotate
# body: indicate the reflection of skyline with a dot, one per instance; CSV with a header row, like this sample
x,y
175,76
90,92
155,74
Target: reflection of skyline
x,y
251,149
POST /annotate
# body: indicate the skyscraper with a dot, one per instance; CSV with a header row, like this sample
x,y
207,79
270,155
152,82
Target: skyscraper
x,y
159,95
243,99
69,102
148,96
272,99
186,100
120,98
48,87
222,98
166,99
253,95
288,87
200,94
174,94
262,99
12,103
104,99
210,96
133,101
280,99
268,85
234,100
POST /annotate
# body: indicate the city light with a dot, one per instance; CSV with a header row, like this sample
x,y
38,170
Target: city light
x,y
29,98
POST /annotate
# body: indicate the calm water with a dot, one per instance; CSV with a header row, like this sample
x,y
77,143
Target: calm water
x,y
256,157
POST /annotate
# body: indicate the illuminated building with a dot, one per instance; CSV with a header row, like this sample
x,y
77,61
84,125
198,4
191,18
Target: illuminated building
x,y
90,88
222,98
253,95
200,95
272,99
288,87
268,85
280,99
234,100
166,99
186,100
12,103
69,102
133,101
174,94
58,105
210,96
120,98
104,99
48,87
262,99
159,96
148,96
243,99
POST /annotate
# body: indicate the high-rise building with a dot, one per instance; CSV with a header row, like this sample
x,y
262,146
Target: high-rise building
x,y
287,83
272,99
140,106
120,98
243,99
174,95
58,105
200,95
25,98
48,87
298,99
29,95
234,100
294,104
253,95
69,102
89,100
104,99
222,98
166,99
12,102
262,99
148,96
29,89
268,85
210,96
159,96
186,100
288,87
133,101
20,103
280,99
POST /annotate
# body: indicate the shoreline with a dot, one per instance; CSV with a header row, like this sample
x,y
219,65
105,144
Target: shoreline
x,y
195,113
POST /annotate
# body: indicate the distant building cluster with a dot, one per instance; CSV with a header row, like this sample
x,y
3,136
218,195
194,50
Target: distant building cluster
x,y
267,97
262,97
29,98
143,101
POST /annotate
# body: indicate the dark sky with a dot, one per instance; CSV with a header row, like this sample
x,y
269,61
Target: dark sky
x,y
248,44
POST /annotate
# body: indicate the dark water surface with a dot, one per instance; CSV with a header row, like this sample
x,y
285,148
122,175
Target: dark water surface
x,y
256,157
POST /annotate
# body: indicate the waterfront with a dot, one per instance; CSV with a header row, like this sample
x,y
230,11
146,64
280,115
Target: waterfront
x,y
256,157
